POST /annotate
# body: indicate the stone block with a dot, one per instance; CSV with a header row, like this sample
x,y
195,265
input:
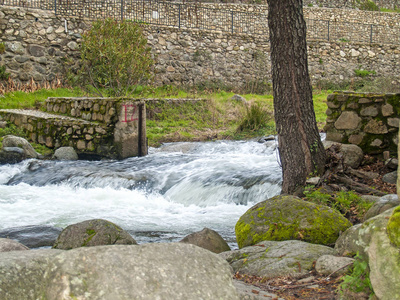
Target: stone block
x,y
348,120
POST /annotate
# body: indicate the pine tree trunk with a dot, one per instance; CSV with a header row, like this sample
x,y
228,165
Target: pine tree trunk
x,y
300,148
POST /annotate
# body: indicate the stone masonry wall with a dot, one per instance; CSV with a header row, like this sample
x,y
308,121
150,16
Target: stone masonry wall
x,y
104,127
43,46
370,121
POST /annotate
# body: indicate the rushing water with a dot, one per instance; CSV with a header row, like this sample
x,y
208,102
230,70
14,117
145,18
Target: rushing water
x,y
177,189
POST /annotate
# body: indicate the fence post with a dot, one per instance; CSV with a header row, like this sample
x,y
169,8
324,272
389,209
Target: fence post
x,y
179,16
122,10
328,30
232,20
55,7
370,36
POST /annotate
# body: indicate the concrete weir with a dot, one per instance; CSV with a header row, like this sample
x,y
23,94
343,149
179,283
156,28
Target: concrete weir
x,y
95,127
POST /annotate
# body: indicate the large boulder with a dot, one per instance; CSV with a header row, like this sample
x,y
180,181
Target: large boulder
x,y
22,272
273,259
358,237
151,271
382,204
33,236
16,141
289,218
93,233
11,245
207,239
371,240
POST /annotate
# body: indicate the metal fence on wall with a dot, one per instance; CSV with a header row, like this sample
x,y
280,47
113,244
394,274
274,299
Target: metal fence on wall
x,y
196,16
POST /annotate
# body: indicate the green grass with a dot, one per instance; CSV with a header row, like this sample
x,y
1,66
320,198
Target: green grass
x,y
219,117
26,100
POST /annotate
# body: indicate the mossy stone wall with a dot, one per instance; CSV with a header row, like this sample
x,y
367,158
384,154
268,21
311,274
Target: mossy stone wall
x,y
370,121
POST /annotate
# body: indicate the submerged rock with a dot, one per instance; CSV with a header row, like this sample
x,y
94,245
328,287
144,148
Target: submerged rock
x,y
273,259
207,239
288,218
93,233
34,236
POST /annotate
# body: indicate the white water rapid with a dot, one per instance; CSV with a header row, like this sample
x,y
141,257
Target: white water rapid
x,y
177,189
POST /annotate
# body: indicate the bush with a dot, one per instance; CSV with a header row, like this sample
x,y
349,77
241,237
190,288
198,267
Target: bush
x,y
115,57
255,118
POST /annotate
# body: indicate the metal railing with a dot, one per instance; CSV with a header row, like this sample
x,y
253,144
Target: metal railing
x,y
197,16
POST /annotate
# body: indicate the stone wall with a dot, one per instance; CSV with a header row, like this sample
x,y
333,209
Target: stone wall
x,y
370,121
43,46
103,127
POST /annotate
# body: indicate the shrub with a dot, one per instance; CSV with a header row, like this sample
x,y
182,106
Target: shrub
x,y
115,57
255,118
364,73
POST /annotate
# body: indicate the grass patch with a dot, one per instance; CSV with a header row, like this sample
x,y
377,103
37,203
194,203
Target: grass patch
x,y
217,117
18,99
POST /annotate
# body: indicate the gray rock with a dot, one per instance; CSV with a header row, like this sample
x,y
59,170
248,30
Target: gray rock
x,y
357,238
65,153
392,163
246,292
207,239
15,141
313,180
288,218
370,198
36,50
333,265
352,154
3,124
239,98
92,233
11,245
16,284
384,203
273,259
32,236
384,263
390,177
151,271
11,155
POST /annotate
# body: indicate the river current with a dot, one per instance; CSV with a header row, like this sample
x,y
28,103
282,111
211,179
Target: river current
x,y
177,189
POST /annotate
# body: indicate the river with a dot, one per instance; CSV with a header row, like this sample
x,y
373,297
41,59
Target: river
x,y
177,189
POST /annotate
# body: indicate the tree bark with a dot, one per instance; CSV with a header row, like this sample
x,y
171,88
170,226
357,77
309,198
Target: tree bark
x,y
300,147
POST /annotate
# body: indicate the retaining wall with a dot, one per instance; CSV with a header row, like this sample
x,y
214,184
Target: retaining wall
x,y
370,121
102,127
43,46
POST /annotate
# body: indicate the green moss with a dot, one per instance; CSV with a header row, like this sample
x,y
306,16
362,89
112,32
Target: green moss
x,y
91,233
393,227
286,218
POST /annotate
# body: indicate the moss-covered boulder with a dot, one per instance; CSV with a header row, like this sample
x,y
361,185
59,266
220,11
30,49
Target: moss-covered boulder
x,y
289,218
393,227
92,233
